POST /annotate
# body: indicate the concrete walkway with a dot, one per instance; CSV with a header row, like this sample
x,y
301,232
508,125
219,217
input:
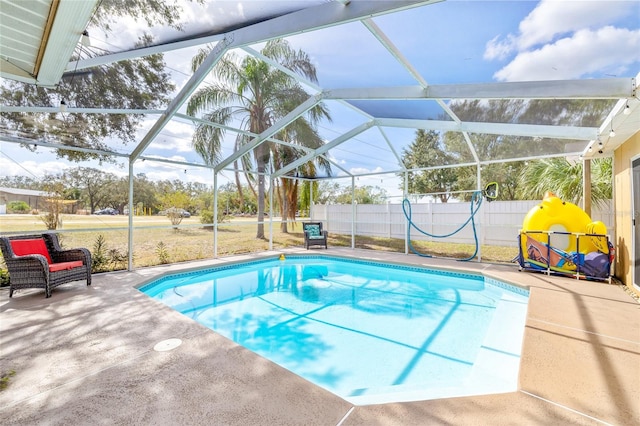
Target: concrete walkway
x,y
86,356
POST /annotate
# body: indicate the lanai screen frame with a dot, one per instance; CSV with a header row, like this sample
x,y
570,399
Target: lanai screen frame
x,y
336,13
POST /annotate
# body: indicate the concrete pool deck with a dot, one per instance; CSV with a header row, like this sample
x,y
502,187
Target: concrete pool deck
x,y
86,356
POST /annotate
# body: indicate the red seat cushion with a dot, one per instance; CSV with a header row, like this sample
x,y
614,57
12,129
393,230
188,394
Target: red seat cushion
x,y
55,267
27,247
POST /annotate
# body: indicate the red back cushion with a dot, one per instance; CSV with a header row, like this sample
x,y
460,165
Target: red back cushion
x,y
26,247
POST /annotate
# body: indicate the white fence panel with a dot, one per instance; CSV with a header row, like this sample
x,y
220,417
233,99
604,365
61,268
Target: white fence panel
x,y
497,223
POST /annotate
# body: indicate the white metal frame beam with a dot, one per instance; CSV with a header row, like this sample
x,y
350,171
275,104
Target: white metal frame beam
x,y
608,88
281,124
324,148
192,84
309,19
533,130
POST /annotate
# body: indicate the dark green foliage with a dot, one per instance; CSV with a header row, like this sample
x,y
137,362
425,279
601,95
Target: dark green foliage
x,y
4,277
426,151
565,180
153,12
18,207
135,84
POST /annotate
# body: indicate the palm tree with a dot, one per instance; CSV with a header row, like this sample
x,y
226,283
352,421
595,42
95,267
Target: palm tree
x,y
565,180
257,96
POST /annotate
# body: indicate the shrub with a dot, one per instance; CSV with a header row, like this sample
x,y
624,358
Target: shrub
x,y
104,259
18,207
118,259
163,253
99,255
175,215
206,217
4,278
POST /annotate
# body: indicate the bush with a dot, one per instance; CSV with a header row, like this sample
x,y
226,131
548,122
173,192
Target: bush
x,y
104,259
206,217
163,253
4,278
99,255
18,207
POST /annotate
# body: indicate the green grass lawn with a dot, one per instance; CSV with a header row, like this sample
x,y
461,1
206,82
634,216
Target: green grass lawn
x,y
155,241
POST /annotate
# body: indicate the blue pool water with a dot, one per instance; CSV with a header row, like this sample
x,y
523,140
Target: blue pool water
x,y
368,332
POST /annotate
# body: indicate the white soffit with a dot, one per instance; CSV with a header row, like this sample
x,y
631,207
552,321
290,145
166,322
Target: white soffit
x,y
39,37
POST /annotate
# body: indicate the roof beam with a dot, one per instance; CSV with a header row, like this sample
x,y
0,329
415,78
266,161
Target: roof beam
x,y
49,110
305,20
190,86
139,53
532,130
391,147
607,88
43,143
38,142
395,52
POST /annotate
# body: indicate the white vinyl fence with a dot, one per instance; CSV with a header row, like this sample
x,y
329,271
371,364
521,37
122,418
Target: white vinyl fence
x,y
497,223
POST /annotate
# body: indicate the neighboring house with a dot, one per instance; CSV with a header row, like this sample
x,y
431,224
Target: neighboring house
x,y
35,199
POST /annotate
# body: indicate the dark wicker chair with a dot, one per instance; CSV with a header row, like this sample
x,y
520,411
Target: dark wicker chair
x,y
34,270
314,235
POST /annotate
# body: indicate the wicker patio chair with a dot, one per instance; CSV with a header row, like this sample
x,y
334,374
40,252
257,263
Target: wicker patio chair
x,y
38,261
314,235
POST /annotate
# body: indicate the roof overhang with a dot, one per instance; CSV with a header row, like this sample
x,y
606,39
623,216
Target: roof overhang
x,y
39,37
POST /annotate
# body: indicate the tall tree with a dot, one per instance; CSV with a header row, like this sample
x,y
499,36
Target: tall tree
x,y
250,91
94,184
326,192
494,147
130,84
135,84
362,195
426,151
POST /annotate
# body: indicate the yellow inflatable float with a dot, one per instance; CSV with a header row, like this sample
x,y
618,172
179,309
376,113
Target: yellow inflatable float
x,y
559,236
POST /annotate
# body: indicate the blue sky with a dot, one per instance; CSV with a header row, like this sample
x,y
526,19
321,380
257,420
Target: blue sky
x,y
447,42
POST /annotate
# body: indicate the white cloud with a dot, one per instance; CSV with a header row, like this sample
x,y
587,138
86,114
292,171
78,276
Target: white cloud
x,y
557,17
364,170
499,49
31,168
584,53
176,136
567,39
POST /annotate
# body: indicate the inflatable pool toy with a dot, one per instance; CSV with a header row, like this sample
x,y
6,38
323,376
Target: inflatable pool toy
x,y
282,257
559,236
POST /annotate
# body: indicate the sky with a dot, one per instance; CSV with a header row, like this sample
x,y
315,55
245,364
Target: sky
x,y
448,42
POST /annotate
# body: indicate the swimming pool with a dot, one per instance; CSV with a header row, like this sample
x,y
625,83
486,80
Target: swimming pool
x,y
368,332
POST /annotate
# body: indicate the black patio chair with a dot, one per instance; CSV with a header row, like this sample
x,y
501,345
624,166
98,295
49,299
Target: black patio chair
x,y
314,235
38,261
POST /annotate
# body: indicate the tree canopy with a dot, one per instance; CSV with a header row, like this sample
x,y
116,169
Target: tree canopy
x,y
250,92
431,149
141,83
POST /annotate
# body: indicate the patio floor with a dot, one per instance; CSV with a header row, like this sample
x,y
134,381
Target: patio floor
x,y
85,356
